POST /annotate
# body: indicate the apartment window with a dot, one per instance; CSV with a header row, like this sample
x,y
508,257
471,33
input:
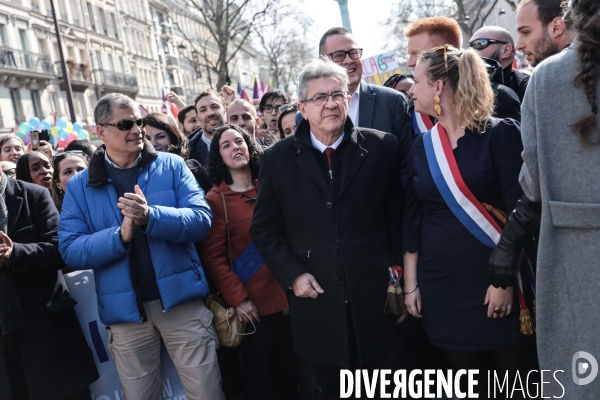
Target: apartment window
x,y
23,39
116,27
3,41
74,12
37,105
85,9
82,110
15,98
35,5
62,10
54,102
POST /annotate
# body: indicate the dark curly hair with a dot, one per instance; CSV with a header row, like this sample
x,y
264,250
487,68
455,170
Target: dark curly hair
x,y
586,16
217,170
179,142
22,170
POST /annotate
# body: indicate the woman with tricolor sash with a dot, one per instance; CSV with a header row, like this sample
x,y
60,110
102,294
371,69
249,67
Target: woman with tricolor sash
x,y
240,273
466,161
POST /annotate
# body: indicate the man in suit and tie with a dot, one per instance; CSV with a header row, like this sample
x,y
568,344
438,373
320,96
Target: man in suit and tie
x,y
327,222
371,106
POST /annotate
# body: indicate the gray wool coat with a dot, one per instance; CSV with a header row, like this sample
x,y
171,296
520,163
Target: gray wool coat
x,y
564,175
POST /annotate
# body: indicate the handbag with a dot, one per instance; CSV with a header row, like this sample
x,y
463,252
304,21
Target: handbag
x,y
230,329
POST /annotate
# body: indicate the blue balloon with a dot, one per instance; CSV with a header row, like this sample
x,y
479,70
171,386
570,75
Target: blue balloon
x,y
77,127
52,141
63,134
61,123
46,124
34,122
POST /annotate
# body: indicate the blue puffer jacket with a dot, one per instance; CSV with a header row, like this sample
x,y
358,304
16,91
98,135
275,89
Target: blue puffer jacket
x,y
178,216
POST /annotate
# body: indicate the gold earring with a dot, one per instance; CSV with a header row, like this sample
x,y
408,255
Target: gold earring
x,y
437,110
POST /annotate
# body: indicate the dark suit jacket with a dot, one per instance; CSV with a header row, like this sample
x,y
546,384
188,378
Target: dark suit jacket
x,y
345,241
198,149
56,358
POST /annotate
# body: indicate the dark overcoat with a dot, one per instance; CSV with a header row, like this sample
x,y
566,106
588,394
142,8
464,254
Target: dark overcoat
x,y
345,241
56,359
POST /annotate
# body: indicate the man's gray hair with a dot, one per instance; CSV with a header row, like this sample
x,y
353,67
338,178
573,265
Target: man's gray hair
x,y
103,112
321,67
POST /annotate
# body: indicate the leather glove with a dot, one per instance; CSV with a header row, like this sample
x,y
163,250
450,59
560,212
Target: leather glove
x,y
503,264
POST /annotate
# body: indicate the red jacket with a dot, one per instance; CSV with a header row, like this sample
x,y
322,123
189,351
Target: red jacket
x,y
263,290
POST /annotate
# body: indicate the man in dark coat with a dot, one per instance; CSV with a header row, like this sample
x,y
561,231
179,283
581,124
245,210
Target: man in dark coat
x,y
327,222
210,113
43,354
497,43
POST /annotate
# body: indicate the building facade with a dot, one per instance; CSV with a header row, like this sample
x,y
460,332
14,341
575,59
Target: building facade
x,y
137,47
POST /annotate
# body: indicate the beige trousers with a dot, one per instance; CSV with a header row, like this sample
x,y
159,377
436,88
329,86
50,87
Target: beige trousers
x,y
191,341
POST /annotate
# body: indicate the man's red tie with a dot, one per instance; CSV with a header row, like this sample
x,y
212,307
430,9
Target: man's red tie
x,y
329,154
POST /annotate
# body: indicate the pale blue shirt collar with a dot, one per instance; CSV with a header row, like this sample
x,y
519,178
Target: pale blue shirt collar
x,y
112,164
320,146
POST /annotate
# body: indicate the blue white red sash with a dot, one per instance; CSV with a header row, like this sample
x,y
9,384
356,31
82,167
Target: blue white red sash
x,y
455,192
421,122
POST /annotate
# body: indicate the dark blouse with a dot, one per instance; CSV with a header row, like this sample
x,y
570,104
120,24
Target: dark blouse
x,y
452,265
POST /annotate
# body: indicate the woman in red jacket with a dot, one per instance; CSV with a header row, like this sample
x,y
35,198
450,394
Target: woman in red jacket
x,y
239,272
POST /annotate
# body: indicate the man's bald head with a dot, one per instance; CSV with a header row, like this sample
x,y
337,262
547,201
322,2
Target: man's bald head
x,y
503,53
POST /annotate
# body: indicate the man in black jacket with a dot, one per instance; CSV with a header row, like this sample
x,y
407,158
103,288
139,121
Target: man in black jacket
x,y
210,111
327,222
497,44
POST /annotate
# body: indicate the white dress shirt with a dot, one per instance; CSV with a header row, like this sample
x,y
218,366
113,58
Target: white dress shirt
x,y
353,106
321,146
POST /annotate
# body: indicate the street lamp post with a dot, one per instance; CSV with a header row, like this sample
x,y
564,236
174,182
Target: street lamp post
x,y
345,14
63,65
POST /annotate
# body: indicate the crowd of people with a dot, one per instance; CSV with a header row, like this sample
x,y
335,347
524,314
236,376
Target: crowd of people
x,y
467,190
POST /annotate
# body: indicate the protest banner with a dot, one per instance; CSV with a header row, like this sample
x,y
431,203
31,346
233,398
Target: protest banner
x,y
377,69
107,387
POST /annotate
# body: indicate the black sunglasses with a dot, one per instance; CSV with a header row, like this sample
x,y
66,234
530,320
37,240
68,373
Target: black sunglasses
x,y
74,152
293,106
480,44
127,124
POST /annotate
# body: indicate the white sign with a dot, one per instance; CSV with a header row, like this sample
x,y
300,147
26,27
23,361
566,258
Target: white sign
x,y
107,387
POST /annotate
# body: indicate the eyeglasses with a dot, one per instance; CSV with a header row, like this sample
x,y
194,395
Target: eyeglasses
x,y
339,56
293,106
480,44
270,108
127,124
445,48
321,98
74,152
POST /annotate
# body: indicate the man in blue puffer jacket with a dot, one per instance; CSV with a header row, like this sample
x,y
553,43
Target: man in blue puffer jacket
x,y
133,217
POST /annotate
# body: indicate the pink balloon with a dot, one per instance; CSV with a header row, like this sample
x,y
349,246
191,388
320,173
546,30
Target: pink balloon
x,y
72,136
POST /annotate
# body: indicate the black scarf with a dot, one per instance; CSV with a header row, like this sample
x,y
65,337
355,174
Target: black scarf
x,y
12,319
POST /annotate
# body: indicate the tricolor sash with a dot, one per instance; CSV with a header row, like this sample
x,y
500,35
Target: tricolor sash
x,y
455,192
421,122
469,211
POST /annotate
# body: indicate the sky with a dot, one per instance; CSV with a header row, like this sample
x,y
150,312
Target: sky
x,y
366,17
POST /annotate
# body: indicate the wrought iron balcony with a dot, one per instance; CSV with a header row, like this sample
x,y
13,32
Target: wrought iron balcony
x,y
172,61
111,81
27,63
80,76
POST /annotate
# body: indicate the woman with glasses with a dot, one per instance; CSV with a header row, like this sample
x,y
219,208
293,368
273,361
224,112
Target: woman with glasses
x,y
239,272
287,120
66,165
164,134
467,164
35,167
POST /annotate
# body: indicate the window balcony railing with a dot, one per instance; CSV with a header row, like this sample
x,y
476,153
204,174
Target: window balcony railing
x,y
25,61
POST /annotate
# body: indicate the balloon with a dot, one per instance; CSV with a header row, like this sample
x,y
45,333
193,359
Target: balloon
x,y
27,139
61,123
77,127
52,141
72,136
24,127
20,135
62,144
69,127
63,134
45,124
34,122
54,131
83,135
